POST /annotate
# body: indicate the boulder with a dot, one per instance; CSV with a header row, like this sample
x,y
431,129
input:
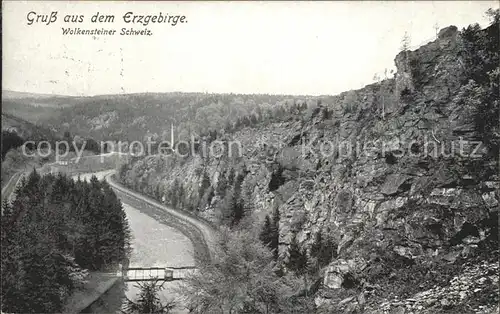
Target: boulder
x,y
403,251
394,184
490,200
334,275
333,280
447,32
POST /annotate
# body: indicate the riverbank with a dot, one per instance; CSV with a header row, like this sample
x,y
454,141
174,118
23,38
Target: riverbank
x,y
161,237
201,234
97,285
156,242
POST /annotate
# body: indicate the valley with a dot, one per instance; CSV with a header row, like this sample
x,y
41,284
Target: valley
x,y
379,200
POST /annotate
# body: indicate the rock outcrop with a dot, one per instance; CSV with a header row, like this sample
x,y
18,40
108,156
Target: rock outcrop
x,y
395,173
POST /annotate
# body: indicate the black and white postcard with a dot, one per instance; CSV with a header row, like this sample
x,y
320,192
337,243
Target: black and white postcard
x,y
250,157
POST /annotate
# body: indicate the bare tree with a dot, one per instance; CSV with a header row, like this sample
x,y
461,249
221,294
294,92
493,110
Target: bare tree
x,y
405,42
405,47
378,79
436,29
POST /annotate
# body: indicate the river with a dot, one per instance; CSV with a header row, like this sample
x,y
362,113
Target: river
x,y
153,244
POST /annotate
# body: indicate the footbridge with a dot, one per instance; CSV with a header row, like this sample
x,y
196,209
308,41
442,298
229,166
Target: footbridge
x,y
156,273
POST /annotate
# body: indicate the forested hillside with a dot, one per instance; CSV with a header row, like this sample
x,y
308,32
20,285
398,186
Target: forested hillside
x,y
395,224
139,116
40,145
16,132
378,200
53,234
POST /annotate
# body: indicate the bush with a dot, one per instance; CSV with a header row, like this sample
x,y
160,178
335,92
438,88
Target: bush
x,y
406,95
350,102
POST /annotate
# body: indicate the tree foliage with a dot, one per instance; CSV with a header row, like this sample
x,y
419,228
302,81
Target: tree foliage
x,y
269,235
323,250
297,258
54,231
481,61
10,140
148,300
241,279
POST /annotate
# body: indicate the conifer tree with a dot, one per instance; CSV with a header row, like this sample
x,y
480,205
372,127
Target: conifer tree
x,y
238,213
230,178
267,232
148,300
205,184
269,236
297,258
222,185
226,208
324,250
276,232
54,229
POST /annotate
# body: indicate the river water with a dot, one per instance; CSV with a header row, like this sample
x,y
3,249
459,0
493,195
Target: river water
x,y
154,244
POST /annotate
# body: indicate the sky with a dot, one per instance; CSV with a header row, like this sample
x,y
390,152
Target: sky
x,y
297,48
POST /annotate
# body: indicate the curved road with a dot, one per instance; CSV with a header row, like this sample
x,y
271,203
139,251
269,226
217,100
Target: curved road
x,y
10,186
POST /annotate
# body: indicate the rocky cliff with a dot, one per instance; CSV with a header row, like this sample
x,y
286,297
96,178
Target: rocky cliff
x,y
398,174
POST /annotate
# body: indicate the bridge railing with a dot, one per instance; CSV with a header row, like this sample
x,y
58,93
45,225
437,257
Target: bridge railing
x,y
156,273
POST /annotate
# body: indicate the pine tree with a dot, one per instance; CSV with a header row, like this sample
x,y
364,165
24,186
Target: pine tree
x,y
210,195
206,198
267,232
269,236
226,208
157,191
317,245
32,182
238,182
275,232
205,184
298,261
230,178
222,185
148,300
297,258
238,213
323,250
173,193
405,46
6,210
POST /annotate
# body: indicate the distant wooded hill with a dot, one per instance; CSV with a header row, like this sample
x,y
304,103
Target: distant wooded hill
x,y
139,116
